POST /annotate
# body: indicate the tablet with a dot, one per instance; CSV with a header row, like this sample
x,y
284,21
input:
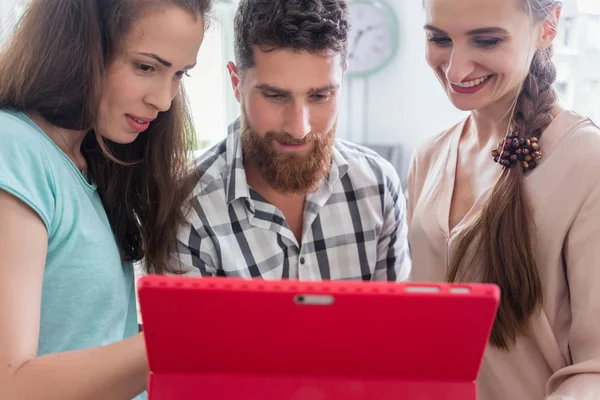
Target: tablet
x,y
226,338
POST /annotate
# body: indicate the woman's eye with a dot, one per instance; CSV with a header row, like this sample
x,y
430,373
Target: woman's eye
x,y
439,40
145,67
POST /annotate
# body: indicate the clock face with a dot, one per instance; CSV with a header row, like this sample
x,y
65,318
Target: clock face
x,y
373,37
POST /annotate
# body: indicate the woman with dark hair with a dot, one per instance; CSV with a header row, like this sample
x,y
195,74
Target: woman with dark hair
x,y
511,196
93,144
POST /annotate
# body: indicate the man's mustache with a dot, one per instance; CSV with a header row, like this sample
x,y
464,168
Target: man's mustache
x,y
286,138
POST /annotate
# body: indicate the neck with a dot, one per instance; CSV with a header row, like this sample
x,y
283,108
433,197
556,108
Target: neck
x,y
69,141
291,205
488,131
492,123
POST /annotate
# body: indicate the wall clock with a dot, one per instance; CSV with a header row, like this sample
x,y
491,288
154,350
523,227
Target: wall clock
x,y
373,37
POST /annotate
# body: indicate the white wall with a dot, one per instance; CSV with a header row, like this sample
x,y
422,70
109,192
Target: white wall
x,y
6,17
404,102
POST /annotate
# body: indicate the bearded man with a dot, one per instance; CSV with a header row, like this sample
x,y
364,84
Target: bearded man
x,y
281,197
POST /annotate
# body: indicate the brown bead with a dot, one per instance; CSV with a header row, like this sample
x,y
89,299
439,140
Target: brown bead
x,y
518,149
532,164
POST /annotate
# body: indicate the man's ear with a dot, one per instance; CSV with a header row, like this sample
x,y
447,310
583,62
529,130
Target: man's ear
x,y
549,28
235,80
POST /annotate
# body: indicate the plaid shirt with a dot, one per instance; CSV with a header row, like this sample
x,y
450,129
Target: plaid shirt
x,y
354,224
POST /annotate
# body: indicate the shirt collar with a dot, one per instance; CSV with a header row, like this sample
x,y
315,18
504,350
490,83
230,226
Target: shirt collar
x,y
237,186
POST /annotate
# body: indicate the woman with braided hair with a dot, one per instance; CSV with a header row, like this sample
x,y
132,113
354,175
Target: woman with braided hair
x,y
511,196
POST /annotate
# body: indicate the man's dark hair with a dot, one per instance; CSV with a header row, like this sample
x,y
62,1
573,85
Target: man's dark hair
x,y
302,25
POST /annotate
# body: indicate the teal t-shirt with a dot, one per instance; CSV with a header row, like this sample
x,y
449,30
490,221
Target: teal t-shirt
x,y
88,296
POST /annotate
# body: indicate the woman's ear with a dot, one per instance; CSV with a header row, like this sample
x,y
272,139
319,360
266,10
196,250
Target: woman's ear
x,y
549,28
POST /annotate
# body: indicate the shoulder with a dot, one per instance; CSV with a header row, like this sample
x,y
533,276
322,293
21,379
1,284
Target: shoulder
x,y
18,132
25,171
577,151
432,153
210,168
437,145
369,172
367,164
23,146
428,161
583,134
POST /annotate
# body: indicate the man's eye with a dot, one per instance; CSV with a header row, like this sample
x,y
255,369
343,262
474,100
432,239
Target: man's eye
x,y
274,96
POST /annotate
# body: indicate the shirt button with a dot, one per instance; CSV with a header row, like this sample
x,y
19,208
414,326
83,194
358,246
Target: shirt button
x,y
302,260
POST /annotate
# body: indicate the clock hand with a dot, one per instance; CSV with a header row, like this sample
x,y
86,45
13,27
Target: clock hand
x,y
359,35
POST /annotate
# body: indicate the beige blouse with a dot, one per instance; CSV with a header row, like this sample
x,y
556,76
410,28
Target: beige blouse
x,y
560,358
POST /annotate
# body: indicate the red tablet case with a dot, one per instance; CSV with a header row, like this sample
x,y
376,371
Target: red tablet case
x,y
224,338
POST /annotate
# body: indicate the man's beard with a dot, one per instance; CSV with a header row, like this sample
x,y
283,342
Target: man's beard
x,y
288,173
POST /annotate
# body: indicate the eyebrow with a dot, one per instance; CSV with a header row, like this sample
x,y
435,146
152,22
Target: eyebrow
x,y
163,61
479,31
328,88
274,89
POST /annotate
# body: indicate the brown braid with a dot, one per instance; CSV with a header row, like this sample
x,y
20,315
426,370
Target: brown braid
x,y
502,234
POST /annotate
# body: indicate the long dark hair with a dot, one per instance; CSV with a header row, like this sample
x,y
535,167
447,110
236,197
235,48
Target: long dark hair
x,y
54,65
504,229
